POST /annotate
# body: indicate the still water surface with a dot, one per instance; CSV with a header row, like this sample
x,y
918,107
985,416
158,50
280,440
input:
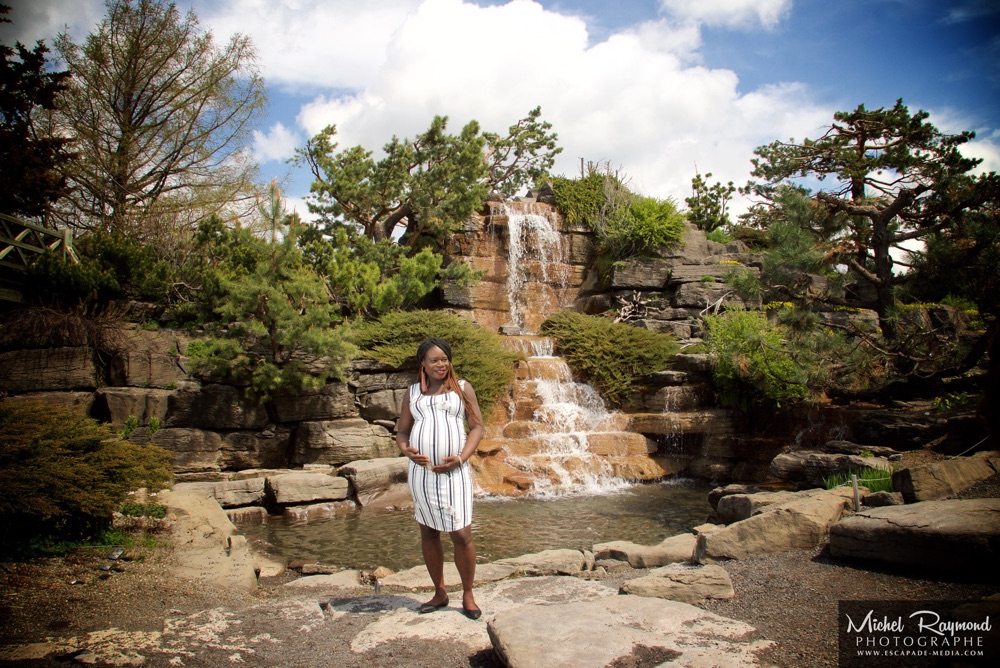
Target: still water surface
x,y
502,527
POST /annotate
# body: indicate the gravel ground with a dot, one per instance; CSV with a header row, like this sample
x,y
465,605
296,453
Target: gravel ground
x,y
791,598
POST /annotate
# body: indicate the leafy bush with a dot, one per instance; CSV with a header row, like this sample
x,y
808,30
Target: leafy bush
x,y
626,224
112,266
752,360
719,235
611,356
479,355
62,476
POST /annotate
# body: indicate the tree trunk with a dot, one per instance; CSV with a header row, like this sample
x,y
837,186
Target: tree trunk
x,y
883,272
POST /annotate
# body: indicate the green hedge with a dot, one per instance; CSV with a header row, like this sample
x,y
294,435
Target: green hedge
x,y
62,475
479,355
611,356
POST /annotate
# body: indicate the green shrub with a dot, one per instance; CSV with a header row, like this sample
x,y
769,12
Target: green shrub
x,y
611,356
62,476
752,360
625,224
719,236
270,321
143,510
873,479
479,355
112,266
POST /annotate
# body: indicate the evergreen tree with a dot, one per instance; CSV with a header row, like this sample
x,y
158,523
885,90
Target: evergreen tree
x,y
894,176
31,169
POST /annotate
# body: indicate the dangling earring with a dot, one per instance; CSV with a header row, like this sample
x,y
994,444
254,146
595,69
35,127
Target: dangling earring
x,y
423,380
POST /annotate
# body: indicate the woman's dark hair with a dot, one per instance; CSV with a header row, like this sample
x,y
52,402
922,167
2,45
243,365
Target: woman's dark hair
x,y
432,342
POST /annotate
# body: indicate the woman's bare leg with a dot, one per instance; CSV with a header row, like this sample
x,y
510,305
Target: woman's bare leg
x,y
430,545
465,562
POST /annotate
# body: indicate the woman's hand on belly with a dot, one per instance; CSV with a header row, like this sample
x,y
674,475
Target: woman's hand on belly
x,y
448,464
415,456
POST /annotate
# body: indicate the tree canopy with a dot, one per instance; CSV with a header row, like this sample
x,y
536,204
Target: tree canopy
x,y
423,188
161,116
895,179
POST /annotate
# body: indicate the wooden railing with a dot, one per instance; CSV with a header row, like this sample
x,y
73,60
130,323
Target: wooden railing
x,y
20,243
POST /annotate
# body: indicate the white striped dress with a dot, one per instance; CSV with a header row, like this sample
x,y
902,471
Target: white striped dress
x,y
442,501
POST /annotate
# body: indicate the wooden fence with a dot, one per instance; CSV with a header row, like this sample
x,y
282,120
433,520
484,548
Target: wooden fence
x,y
20,243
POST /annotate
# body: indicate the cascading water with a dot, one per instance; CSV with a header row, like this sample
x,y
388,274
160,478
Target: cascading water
x,y
534,256
560,439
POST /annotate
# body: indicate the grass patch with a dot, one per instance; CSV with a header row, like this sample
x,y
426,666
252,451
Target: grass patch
x,y
876,480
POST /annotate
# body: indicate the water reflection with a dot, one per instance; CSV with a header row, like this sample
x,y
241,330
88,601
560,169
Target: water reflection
x,y
502,527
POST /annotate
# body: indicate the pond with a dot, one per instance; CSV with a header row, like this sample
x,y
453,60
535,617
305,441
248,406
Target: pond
x,y
503,527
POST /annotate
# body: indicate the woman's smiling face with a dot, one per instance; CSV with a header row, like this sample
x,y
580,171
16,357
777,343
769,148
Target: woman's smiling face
x,y
436,363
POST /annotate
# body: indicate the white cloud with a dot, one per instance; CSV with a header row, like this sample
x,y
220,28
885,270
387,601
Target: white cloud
x,y
279,143
32,20
309,44
729,12
634,100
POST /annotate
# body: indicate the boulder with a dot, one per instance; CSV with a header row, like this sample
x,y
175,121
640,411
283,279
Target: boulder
x,y
267,449
292,488
153,358
338,442
317,511
194,450
672,550
703,295
216,407
944,479
717,493
800,523
687,584
417,579
807,466
382,405
641,273
332,402
43,369
849,448
116,404
692,273
205,545
547,562
705,421
371,478
736,507
620,631
79,402
954,538
229,493
881,499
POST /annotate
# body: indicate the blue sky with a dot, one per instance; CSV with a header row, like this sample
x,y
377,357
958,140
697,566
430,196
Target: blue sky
x,y
655,88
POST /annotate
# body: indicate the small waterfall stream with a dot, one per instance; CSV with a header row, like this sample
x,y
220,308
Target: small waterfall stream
x,y
534,260
559,439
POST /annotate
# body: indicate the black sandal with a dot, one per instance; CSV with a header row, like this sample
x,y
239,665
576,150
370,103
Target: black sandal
x,y
472,614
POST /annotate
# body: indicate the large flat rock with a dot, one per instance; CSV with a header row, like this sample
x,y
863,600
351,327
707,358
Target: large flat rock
x,y
620,630
945,479
800,523
952,537
680,582
672,550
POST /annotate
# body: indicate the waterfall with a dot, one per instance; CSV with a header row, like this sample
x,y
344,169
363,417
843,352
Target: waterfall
x,y
568,412
560,439
534,253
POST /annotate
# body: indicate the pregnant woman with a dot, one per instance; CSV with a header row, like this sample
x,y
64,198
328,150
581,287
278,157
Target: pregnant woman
x,y
431,432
